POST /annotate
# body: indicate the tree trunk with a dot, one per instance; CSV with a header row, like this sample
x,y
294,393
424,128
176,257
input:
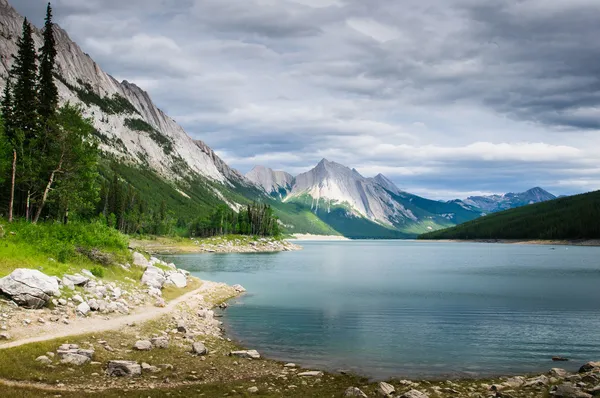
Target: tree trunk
x,y
27,205
48,187
12,186
66,219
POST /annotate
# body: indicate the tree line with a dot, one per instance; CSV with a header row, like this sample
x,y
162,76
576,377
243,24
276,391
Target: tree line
x,y
49,154
255,219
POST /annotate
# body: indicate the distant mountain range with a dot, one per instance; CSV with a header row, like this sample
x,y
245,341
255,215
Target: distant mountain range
x,y
375,207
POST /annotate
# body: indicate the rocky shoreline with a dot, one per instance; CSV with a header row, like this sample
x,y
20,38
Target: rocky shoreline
x,y
580,242
242,244
150,347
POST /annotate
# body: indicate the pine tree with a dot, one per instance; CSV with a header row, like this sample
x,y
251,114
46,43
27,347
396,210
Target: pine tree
x,y
48,93
25,116
11,139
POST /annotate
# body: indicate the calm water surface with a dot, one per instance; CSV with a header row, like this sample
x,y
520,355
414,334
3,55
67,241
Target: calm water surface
x,y
414,309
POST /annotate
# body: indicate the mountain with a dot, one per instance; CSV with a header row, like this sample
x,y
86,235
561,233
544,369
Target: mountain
x,y
569,218
139,142
357,206
495,203
275,183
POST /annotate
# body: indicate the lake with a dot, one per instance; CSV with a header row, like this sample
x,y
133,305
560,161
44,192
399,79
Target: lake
x,y
414,309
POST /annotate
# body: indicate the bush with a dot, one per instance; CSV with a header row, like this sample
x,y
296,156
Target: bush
x,y
98,272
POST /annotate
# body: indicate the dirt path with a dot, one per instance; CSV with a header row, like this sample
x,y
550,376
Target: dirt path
x,y
81,326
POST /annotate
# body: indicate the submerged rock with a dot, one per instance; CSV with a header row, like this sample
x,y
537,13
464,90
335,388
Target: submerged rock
x,y
29,288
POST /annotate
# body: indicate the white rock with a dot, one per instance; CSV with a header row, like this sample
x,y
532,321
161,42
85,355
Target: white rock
x,y
77,298
143,345
177,279
153,277
311,373
386,389
121,368
354,392
83,309
29,288
77,280
252,354
140,261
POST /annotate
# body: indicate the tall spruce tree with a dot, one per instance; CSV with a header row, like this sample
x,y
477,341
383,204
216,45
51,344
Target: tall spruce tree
x,y
10,137
25,99
48,93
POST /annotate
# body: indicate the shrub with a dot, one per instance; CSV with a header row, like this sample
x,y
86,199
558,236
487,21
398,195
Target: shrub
x,y
98,272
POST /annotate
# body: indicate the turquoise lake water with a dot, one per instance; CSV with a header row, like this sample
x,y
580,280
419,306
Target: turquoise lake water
x,y
414,309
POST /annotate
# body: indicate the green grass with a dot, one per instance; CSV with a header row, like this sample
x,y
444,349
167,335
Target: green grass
x,y
56,249
570,218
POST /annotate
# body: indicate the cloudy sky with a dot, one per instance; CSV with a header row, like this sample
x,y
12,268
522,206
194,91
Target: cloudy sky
x,y
446,97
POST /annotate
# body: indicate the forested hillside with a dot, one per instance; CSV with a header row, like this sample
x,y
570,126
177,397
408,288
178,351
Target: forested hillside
x,y
574,217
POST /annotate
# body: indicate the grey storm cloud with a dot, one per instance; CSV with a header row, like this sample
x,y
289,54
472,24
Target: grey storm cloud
x,y
443,96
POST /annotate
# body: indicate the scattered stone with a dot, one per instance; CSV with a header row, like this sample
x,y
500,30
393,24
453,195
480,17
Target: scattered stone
x,y
119,368
77,298
289,365
29,288
354,392
589,367
160,342
253,390
88,273
83,309
199,348
149,368
311,373
44,359
77,280
385,389
537,381
143,345
568,390
558,372
160,303
74,359
252,354
4,336
418,394
181,326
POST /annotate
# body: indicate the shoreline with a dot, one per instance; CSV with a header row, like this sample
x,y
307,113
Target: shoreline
x,y
311,237
216,245
578,242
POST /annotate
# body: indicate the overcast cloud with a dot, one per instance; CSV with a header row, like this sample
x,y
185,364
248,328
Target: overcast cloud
x,y
445,97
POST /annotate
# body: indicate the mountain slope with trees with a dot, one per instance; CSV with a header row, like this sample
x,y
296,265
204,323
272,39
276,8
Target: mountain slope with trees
x,y
569,218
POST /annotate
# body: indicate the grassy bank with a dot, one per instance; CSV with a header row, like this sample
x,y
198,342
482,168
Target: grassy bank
x,y
56,249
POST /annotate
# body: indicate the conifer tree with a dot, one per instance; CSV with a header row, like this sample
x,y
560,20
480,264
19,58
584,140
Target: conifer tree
x,y
48,93
10,139
25,116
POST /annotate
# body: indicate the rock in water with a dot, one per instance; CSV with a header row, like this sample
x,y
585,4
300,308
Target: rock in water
x,y
239,288
354,392
140,261
29,288
414,394
123,368
199,349
154,277
386,389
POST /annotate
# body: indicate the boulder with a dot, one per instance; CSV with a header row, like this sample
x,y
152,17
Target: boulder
x,y
153,277
177,279
29,288
385,389
239,288
414,394
558,372
539,381
143,345
74,359
588,367
568,390
253,390
199,348
77,280
83,309
160,342
251,354
44,360
4,336
77,298
120,368
94,306
354,392
140,261
68,284
146,367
